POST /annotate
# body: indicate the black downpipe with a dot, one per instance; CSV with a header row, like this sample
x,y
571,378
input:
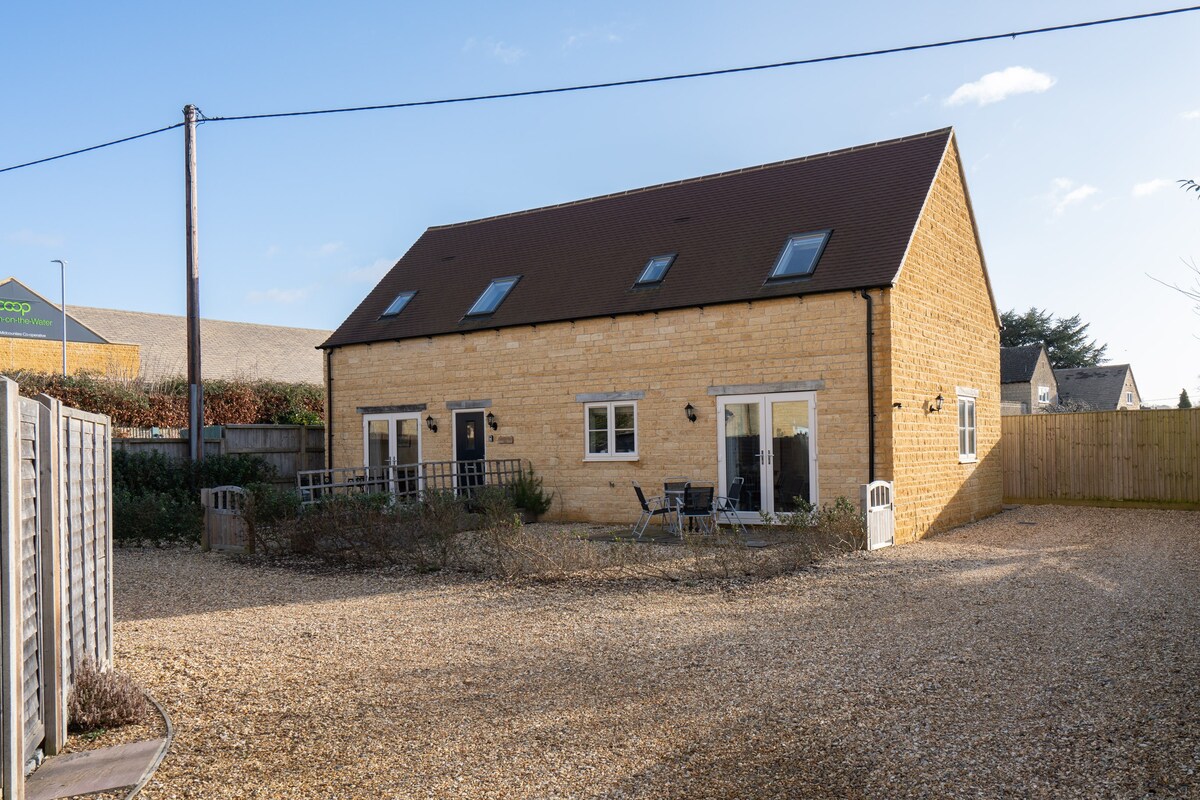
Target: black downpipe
x,y
329,409
870,388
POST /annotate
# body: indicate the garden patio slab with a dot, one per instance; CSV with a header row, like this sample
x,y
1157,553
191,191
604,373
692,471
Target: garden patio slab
x,y
92,771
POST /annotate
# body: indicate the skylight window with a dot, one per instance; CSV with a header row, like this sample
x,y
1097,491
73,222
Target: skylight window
x,y
800,255
656,269
493,296
398,304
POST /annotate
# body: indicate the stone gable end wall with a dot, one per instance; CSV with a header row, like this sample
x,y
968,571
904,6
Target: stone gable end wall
x,y
531,375
944,335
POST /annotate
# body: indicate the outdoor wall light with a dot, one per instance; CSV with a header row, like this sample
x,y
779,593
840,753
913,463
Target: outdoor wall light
x,y
937,403
491,421
690,411
431,423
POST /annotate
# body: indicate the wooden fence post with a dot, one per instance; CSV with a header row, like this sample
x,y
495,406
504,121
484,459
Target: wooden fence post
x,y
50,491
12,666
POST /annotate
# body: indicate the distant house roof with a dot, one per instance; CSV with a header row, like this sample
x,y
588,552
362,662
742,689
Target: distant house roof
x,y
229,349
726,232
1018,363
1098,388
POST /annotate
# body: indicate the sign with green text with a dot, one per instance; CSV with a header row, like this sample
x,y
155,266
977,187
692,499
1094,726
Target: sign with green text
x,y
24,314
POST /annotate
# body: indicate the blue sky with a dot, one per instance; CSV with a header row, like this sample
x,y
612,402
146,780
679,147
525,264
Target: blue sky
x,y
1071,141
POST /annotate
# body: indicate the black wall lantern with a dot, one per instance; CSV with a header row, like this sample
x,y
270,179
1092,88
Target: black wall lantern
x,y
690,411
937,403
431,423
491,421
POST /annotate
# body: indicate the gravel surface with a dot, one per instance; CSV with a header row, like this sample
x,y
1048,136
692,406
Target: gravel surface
x,y
1046,652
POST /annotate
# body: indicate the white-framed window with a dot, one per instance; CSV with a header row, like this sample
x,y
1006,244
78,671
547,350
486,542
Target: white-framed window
x,y
610,431
1129,398
1043,394
966,428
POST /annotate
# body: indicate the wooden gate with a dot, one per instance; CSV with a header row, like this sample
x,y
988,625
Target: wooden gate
x,y
224,527
880,508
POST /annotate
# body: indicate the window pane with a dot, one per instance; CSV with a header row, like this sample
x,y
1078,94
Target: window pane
x,y
962,413
598,419
623,417
799,256
971,442
492,296
971,414
598,441
962,441
626,442
398,304
656,269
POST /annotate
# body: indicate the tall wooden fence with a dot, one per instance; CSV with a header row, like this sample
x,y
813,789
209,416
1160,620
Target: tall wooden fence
x,y
1104,456
55,569
289,448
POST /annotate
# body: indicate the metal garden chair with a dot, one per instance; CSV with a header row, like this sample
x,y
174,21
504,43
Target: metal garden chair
x,y
726,507
697,508
651,508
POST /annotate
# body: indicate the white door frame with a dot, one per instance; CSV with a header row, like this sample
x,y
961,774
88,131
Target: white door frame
x,y
766,455
391,420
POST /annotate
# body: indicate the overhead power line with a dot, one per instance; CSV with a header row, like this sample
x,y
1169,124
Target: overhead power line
x,y
94,147
642,81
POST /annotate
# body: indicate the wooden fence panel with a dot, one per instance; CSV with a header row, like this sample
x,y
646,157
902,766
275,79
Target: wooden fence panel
x,y
87,538
12,718
224,525
30,532
1104,456
291,449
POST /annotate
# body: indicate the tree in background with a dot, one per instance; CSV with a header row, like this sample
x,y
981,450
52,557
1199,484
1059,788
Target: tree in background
x,y
1184,402
1066,340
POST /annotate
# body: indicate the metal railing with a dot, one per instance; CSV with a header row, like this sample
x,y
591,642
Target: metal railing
x,y
408,481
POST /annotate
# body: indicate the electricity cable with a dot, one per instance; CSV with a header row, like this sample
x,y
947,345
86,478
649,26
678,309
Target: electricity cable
x,y
637,81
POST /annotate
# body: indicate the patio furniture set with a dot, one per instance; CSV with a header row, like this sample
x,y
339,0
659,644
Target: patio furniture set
x,y
689,505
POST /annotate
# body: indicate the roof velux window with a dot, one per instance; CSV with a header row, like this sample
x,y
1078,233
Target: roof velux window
x,y
799,256
656,269
398,304
493,296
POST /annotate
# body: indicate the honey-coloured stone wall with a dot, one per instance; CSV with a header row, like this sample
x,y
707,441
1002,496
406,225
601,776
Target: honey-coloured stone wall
x,y
45,355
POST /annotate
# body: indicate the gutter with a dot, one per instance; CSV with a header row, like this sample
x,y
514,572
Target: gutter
x,y
329,408
870,387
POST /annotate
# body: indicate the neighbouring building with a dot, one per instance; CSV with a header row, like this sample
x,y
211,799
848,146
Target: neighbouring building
x,y
805,326
1027,382
1109,387
135,344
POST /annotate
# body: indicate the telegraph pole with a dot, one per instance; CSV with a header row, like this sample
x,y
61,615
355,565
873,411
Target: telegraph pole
x,y
195,388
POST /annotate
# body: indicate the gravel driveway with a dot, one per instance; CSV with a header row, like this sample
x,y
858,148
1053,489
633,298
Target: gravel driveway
x,y
1046,652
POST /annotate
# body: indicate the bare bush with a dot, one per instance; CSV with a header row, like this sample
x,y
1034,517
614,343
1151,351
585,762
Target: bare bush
x,y
103,699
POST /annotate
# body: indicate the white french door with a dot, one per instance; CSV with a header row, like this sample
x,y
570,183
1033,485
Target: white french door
x,y
770,442
391,440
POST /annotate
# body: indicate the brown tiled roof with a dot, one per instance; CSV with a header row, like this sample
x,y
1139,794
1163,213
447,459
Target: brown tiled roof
x,y
580,260
229,349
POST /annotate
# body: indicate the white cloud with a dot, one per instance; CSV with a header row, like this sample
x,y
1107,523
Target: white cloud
x,y
327,249
272,251
281,296
33,238
1194,114
372,273
1066,193
505,53
1147,188
997,86
603,34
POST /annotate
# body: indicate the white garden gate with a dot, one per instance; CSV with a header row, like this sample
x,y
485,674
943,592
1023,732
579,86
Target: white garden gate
x,y
880,508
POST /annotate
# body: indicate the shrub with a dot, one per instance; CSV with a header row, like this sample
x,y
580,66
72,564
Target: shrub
x,y
103,699
164,403
528,494
156,499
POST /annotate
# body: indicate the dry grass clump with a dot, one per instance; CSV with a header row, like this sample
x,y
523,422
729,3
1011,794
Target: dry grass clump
x,y
101,700
483,534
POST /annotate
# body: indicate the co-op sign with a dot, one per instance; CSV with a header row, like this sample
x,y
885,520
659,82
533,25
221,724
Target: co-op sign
x,y
26,315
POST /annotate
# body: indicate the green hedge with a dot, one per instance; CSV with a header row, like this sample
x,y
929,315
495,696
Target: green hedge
x,y
156,499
